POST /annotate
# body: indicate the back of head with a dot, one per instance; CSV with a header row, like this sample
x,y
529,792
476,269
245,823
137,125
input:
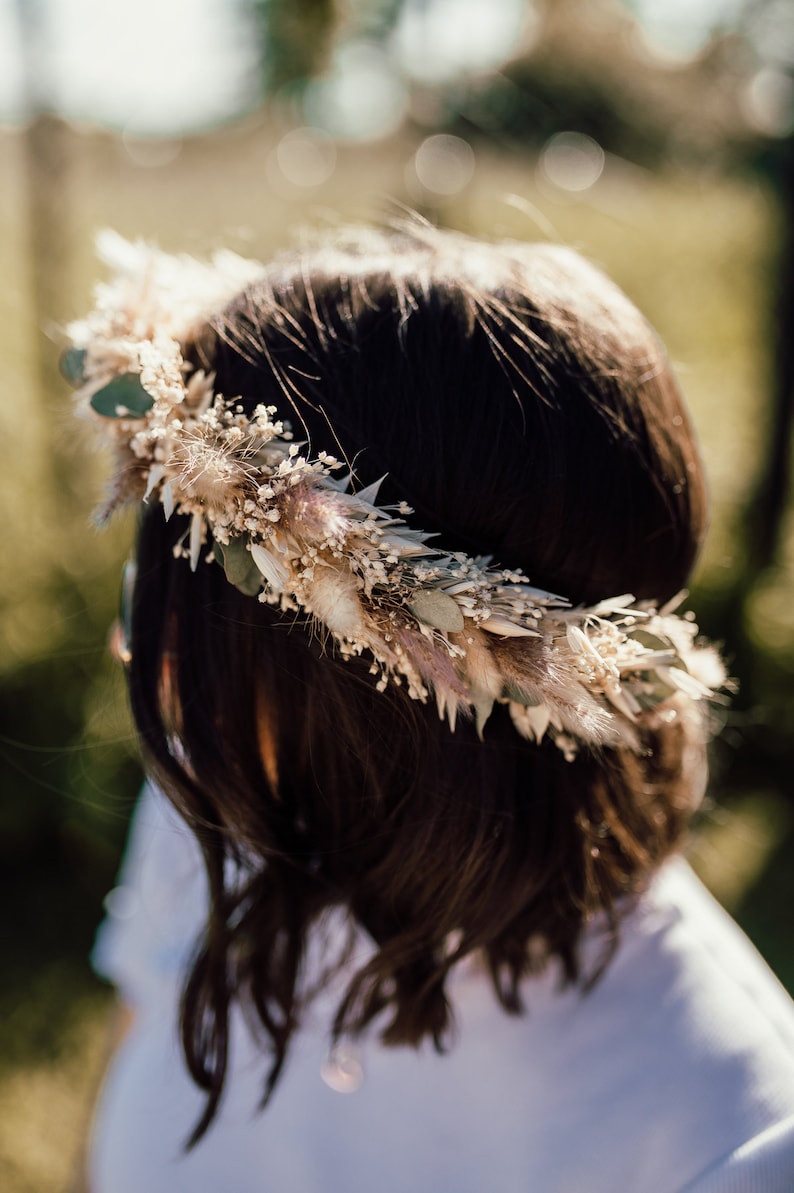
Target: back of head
x,y
525,411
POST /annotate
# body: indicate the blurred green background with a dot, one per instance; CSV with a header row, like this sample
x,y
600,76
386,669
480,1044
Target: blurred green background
x,y
656,137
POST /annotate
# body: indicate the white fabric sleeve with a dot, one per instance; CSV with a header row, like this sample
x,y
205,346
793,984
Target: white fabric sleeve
x,y
764,1164
156,911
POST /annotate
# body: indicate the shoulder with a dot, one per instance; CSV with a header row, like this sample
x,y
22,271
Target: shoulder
x,y
764,1164
706,965
679,1060
697,1036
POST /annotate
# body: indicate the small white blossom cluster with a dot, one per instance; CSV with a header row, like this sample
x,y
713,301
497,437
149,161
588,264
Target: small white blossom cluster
x,y
286,528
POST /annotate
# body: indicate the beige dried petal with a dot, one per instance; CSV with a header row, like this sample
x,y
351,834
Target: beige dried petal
x,y
530,721
507,629
333,598
271,568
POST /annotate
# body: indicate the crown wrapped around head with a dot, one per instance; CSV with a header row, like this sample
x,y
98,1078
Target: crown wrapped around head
x,y
289,528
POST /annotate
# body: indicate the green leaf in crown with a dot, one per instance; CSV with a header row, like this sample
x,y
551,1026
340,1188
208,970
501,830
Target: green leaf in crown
x,y
237,562
72,366
123,397
436,609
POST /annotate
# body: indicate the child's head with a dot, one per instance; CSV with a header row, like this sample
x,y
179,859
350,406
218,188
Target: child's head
x,y
525,411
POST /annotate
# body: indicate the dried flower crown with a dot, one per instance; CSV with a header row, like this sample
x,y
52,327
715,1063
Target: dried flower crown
x,y
287,528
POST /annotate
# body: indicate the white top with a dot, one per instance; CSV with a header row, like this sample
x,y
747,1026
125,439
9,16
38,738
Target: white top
x,y
674,1075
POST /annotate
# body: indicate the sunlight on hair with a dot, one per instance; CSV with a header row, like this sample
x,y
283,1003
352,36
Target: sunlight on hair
x,y
572,161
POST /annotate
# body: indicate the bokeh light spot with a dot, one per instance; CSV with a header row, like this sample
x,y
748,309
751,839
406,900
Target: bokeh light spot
x,y
438,40
572,161
768,101
306,157
444,164
361,99
342,1072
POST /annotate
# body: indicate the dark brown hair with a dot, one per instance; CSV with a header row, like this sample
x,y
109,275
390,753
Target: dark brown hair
x,y
526,411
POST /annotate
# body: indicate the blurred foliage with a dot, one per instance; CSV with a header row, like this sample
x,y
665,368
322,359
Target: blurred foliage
x,y
295,38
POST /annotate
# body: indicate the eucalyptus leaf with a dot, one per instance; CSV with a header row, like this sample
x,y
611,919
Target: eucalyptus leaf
x,y
123,397
240,569
436,609
72,365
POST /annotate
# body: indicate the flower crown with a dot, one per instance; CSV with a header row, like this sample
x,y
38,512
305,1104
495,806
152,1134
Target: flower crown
x,y
288,528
